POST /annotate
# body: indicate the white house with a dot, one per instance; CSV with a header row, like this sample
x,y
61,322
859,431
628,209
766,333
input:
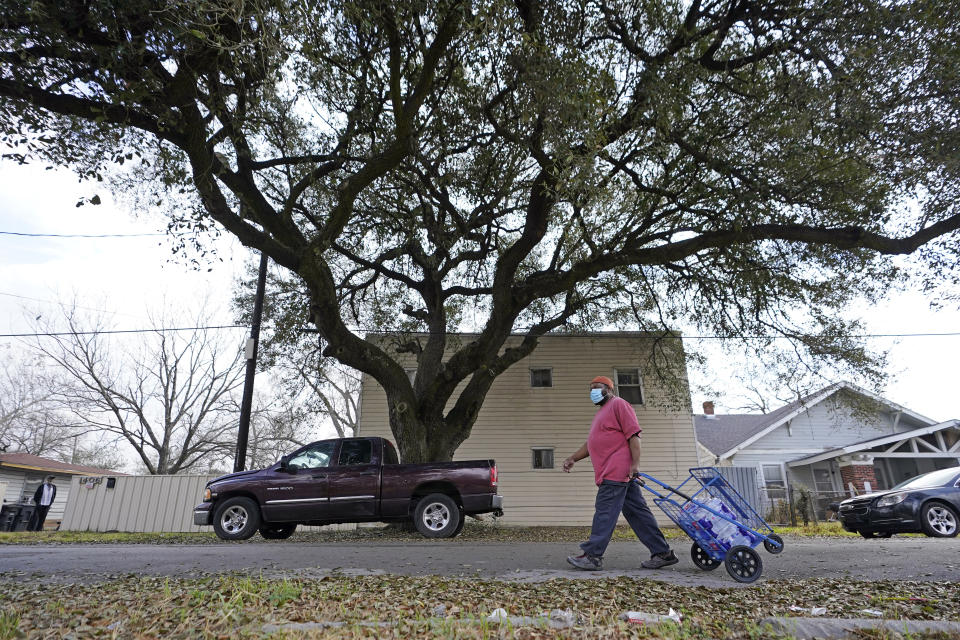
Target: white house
x,y
538,412
836,441
22,473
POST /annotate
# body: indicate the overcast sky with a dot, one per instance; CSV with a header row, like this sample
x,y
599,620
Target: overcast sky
x,y
128,276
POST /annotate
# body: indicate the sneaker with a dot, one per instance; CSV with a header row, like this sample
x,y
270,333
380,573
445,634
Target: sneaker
x,y
585,562
660,560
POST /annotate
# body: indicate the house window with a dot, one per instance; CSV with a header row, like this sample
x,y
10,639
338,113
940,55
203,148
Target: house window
x,y
823,481
628,385
541,377
30,484
773,481
542,457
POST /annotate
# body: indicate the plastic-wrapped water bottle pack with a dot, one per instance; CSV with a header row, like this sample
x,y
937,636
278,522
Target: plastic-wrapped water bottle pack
x,y
726,533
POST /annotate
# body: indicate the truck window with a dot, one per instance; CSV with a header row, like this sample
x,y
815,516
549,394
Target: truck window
x,y
389,453
313,456
355,452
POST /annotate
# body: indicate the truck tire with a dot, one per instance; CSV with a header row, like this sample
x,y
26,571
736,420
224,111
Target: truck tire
x,y
459,528
277,531
236,519
437,516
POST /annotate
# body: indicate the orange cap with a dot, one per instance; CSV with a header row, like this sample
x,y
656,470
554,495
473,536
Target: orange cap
x,y
603,380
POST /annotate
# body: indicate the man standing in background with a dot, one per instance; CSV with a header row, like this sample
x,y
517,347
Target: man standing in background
x,y
43,497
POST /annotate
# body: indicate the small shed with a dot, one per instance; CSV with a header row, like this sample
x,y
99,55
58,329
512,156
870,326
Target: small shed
x,y
22,473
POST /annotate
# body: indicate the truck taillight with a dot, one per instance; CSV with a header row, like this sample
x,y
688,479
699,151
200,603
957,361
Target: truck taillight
x,y
493,476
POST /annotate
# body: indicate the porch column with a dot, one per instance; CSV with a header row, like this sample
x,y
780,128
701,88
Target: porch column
x,y
857,470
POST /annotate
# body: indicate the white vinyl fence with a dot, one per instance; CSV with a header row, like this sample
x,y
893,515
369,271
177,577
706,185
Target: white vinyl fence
x,y
141,504
134,503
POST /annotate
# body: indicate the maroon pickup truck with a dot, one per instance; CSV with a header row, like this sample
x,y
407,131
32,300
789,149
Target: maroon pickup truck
x,y
348,480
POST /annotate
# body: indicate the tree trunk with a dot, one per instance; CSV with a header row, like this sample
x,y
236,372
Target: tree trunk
x,y
428,439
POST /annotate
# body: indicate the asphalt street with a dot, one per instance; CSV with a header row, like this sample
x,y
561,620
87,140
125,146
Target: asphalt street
x,y
923,559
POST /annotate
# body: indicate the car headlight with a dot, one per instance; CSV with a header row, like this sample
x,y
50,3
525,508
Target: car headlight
x,y
207,495
889,501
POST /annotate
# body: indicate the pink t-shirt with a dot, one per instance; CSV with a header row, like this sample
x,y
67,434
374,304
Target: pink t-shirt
x,y
615,423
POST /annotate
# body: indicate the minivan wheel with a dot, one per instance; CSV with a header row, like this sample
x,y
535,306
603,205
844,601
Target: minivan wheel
x,y
437,516
938,520
236,519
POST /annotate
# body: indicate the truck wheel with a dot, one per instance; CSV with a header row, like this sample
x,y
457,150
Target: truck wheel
x,y
437,516
236,519
459,526
277,531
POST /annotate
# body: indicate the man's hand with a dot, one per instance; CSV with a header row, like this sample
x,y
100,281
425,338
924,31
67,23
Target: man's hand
x,y
568,464
634,470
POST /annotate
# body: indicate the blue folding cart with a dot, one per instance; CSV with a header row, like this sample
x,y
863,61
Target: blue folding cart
x,y
723,526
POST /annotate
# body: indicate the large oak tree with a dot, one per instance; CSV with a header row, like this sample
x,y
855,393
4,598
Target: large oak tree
x,y
517,167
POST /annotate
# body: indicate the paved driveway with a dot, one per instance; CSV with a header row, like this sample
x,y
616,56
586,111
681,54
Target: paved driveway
x,y
923,559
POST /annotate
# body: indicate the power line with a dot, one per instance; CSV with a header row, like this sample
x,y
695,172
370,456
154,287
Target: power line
x,y
79,235
113,331
384,331
859,335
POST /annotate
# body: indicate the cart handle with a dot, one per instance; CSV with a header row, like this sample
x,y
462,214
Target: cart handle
x,y
636,477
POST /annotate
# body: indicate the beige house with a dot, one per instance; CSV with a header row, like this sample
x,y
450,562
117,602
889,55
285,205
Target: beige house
x,y
538,412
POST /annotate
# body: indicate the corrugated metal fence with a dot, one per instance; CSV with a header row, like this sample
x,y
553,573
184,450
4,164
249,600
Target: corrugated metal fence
x,y
134,503
744,480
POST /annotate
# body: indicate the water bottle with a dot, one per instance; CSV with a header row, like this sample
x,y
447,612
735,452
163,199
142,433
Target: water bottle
x,y
739,538
750,537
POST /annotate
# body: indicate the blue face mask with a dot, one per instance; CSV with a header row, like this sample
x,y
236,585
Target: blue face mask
x,y
596,395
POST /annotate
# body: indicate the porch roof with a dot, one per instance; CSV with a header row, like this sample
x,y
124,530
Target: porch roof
x,y
28,462
879,442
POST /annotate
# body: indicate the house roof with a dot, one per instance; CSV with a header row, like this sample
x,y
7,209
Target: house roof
x,y
873,442
36,463
720,433
725,435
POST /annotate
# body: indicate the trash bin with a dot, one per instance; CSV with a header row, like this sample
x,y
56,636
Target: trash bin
x,y
8,516
22,523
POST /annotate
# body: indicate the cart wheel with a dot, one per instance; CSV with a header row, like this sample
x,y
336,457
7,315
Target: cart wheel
x,y
743,564
772,548
702,559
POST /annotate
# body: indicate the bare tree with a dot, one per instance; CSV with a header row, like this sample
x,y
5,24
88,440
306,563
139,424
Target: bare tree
x,y
276,430
325,387
169,397
29,422
292,351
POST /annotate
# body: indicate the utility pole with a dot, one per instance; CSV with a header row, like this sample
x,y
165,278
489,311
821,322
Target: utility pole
x,y
240,461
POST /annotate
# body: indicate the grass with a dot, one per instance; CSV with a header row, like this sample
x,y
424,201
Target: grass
x,y
485,531
240,606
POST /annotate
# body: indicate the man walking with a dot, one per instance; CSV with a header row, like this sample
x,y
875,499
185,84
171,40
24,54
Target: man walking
x,y
613,447
43,497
